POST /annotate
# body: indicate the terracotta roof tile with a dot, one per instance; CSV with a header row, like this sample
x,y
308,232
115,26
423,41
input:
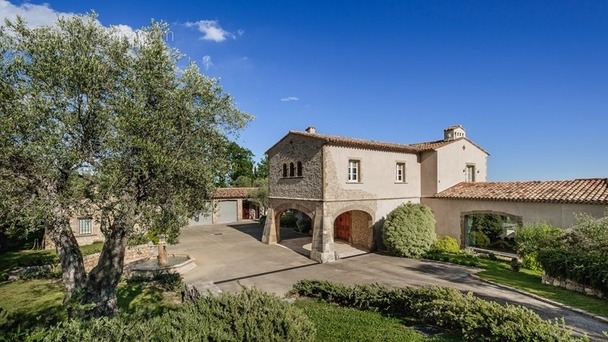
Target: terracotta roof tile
x,y
361,143
579,191
232,192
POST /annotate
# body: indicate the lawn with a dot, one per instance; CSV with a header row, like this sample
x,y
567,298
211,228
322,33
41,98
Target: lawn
x,y
11,260
499,271
335,323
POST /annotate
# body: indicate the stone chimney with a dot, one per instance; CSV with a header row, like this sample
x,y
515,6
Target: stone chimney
x,y
454,132
311,130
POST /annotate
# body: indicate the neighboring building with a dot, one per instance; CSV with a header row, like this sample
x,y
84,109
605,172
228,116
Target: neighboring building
x,y
347,186
229,205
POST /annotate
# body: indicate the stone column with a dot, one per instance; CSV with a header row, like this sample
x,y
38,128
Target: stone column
x,y
270,235
322,249
162,251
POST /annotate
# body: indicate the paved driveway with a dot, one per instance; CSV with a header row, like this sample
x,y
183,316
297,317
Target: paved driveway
x,y
233,255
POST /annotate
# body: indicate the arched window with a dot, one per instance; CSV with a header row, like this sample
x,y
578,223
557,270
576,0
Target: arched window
x,y
299,169
292,170
284,170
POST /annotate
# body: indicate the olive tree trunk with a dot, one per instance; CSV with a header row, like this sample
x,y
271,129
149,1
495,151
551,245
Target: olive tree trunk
x,y
101,283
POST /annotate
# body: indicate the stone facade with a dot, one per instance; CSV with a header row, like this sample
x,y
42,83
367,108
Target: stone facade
x,y
573,286
365,179
133,253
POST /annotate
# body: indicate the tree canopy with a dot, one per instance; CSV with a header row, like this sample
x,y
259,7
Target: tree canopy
x,y
90,119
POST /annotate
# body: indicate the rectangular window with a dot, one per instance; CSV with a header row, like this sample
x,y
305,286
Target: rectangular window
x,y
400,173
469,173
84,226
353,171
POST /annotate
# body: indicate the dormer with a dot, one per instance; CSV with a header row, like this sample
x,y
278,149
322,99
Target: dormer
x,y
454,132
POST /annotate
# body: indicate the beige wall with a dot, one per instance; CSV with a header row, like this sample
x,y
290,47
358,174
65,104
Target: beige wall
x,y
377,172
448,213
428,172
452,159
292,149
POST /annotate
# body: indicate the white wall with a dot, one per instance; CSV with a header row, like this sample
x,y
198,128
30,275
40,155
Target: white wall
x,y
452,159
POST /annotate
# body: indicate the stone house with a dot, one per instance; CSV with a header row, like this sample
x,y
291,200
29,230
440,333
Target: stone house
x,y
348,186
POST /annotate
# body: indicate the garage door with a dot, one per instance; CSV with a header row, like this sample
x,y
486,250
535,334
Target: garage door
x,y
226,211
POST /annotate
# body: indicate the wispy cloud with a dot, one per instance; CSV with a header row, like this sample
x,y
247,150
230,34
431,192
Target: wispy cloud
x,y
207,62
212,31
43,15
290,98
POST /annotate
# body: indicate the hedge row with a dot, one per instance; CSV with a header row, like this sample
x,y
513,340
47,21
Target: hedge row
x,y
476,319
250,315
586,267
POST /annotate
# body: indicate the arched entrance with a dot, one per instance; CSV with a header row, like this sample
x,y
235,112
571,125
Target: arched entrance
x,y
355,228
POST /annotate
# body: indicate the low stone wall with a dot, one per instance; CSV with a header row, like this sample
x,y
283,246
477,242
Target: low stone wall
x,y
133,253
573,286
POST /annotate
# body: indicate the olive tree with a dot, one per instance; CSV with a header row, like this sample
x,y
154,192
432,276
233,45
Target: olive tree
x,y
93,119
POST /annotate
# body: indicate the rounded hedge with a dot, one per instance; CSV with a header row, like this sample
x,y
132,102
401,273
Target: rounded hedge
x,y
250,315
446,244
409,230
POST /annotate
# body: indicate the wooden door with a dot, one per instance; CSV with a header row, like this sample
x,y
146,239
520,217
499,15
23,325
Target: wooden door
x,y
342,227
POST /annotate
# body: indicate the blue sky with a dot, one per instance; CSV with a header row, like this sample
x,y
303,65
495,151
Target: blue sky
x,y
527,79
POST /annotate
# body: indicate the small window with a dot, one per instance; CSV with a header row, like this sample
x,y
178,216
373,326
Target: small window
x,y
299,169
470,173
292,170
84,226
353,171
400,173
284,170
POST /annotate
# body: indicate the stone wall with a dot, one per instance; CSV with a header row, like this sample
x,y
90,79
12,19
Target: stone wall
x,y
362,234
573,286
133,253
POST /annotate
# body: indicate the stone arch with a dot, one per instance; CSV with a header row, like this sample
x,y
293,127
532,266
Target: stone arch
x,y
509,220
354,224
272,232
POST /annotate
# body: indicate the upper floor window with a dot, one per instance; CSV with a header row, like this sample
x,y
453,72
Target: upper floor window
x,y
299,169
469,173
400,173
292,170
284,170
354,168
85,226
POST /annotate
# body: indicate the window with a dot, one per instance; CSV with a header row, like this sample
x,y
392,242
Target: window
x,y
292,170
469,175
400,173
84,226
299,169
284,170
353,171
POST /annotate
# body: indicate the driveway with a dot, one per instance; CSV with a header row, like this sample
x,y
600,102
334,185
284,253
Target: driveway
x,y
231,256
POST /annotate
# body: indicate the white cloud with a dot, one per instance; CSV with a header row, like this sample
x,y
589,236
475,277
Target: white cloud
x,y
207,62
211,30
43,15
34,15
290,98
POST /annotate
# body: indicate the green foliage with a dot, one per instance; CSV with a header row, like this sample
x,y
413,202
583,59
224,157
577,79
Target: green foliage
x,y
479,239
289,220
476,319
249,315
168,281
259,196
446,244
454,258
581,254
490,224
409,230
243,182
261,168
531,238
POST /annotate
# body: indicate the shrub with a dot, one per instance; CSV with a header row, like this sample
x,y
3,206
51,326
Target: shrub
x,y
446,244
289,220
479,239
476,319
249,315
168,281
530,238
409,230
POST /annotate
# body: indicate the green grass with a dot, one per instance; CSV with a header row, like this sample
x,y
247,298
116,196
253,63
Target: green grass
x,y
335,323
10,260
39,302
499,271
